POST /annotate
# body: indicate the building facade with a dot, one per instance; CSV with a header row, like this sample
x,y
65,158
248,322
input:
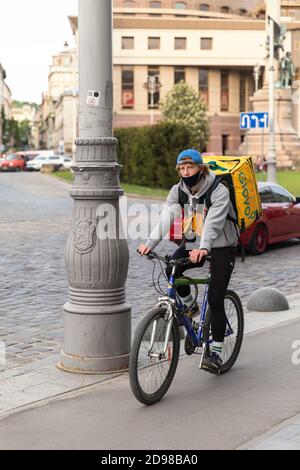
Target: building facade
x,y
217,47
58,113
5,101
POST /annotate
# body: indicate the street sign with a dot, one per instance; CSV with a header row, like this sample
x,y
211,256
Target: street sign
x,y
254,120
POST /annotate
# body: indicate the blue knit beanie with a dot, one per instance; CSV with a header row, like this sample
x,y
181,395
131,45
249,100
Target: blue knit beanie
x,y
192,154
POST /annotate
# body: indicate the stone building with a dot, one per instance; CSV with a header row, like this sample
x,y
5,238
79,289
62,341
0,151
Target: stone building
x,y
58,113
213,45
5,101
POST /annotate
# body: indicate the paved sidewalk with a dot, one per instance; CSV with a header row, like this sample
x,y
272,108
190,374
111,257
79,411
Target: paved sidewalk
x,y
30,386
236,410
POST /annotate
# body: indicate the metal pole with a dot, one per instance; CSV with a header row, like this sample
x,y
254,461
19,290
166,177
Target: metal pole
x,y
97,334
271,173
152,111
262,145
74,102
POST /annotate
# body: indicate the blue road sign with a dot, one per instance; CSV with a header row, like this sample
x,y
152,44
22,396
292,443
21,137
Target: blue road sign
x,y
254,120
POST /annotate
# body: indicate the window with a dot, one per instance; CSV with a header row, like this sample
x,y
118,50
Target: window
x,y
180,43
243,82
206,43
155,5
67,61
266,194
127,87
225,9
179,74
153,43
127,42
225,144
243,12
204,7
129,3
153,87
180,5
280,195
203,85
224,91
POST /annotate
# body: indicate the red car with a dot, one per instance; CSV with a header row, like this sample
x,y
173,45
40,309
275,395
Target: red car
x,y
280,219
12,162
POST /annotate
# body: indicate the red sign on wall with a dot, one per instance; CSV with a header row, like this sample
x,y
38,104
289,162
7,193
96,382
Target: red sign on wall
x,y
128,98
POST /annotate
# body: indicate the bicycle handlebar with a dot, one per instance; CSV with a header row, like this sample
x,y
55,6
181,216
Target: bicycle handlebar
x,y
167,259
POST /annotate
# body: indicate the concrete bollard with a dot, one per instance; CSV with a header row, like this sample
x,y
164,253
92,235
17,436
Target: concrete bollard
x,y
267,299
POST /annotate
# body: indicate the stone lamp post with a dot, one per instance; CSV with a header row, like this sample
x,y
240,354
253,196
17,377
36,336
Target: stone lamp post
x,y
97,334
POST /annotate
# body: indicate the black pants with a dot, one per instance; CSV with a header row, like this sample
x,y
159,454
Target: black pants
x,y
222,264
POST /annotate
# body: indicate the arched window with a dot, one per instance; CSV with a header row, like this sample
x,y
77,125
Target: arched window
x,y
204,7
243,12
155,5
180,5
129,3
225,9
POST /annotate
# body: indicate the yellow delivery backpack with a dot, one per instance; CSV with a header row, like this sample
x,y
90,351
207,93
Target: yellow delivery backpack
x,y
237,173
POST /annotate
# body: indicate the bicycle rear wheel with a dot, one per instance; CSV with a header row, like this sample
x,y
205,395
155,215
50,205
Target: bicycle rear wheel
x,y
151,371
234,329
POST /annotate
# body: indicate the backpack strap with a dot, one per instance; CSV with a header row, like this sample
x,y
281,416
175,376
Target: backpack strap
x,y
208,204
184,199
209,192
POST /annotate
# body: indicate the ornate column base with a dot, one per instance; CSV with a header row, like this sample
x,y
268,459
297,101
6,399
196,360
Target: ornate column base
x,y
97,331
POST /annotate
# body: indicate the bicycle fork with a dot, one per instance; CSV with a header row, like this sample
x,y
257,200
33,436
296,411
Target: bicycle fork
x,y
167,337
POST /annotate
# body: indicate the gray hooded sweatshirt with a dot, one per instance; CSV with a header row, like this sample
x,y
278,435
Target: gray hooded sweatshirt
x,y
217,231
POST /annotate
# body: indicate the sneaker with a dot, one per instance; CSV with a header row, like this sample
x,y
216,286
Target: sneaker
x,y
212,363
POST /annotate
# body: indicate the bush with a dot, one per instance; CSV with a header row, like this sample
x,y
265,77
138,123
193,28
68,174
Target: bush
x,y
148,154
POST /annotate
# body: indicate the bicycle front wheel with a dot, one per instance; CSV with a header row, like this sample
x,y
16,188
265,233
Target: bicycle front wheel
x,y
154,357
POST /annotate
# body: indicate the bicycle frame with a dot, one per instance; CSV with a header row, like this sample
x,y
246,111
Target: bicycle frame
x,y
173,300
196,338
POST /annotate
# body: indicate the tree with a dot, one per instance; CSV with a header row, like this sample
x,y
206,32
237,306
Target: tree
x,y
15,136
183,106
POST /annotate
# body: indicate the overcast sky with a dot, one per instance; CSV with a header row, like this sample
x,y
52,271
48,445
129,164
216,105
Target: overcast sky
x,y
31,31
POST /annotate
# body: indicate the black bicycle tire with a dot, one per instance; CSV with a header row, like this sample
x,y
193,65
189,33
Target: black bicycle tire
x,y
226,366
140,395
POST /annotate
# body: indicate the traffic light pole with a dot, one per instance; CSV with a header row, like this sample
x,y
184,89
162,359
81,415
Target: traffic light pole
x,y
271,173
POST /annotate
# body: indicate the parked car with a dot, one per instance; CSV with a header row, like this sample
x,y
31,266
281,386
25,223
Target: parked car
x,y
38,162
12,162
67,162
280,219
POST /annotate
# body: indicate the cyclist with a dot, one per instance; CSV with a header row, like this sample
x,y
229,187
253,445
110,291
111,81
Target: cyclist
x,y
214,235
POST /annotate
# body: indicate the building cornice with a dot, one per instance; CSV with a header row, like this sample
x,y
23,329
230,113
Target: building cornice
x,y
187,24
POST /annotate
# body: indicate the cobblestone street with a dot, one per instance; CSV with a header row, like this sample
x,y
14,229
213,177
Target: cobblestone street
x,y
35,212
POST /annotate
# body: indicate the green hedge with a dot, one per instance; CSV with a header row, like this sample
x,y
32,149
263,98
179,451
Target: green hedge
x,y
148,154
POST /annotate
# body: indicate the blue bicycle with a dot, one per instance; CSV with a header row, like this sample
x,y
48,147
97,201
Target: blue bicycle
x,y
156,344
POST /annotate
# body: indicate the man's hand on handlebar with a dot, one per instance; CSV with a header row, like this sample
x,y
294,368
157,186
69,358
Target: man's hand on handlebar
x,y
144,250
197,255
